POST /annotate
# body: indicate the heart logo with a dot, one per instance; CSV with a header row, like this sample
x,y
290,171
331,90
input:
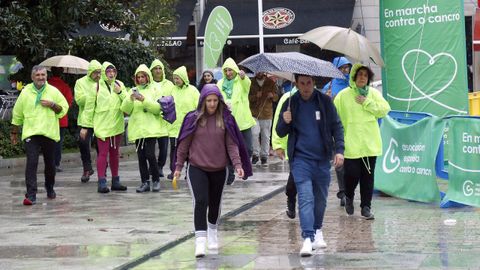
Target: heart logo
x,y
432,60
391,157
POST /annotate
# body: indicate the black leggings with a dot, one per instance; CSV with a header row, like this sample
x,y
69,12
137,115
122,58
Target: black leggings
x,y
207,190
146,152
356,171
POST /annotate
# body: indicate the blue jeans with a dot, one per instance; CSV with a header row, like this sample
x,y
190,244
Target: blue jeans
x,y
312,178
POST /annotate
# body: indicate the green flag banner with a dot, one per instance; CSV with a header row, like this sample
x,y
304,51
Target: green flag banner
x,y
219,25
423,45
407,167
464,161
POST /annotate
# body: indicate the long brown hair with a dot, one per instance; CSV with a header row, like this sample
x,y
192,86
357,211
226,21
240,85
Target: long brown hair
x,y
202,115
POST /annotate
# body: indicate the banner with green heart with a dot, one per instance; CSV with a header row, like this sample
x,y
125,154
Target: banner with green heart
x,y
407,167
423,45
464,161
219,25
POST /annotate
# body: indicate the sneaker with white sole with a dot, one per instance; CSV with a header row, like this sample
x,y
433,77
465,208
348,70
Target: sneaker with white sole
x,y
306,250
200,246
319,242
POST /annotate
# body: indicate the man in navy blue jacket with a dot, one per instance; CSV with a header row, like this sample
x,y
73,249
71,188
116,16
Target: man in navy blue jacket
x,y
311,122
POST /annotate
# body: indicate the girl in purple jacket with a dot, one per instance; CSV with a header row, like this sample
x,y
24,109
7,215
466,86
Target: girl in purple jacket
x,y
210,140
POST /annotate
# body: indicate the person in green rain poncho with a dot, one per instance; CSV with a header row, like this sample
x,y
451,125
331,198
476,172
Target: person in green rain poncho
x,y
359,107
186,99
158,72
37,110
103,112
86,86
235,87
145,125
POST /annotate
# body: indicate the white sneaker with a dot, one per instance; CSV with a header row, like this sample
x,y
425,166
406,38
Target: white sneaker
x,y
306,250
212,238
200,246
319,242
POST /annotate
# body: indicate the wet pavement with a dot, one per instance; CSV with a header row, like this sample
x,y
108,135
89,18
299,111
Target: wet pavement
x,y
82,229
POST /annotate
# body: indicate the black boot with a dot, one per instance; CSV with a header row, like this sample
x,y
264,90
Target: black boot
x,y
116,184
145,187
51,194
349,206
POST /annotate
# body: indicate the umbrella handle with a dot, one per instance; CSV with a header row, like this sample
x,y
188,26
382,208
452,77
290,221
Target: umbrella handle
x,y
289,101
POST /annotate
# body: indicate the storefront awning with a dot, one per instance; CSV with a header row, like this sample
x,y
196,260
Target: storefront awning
x,y
476,31
283,20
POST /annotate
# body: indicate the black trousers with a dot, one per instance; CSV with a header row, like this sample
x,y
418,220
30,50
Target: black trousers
x,y
291,189
147,161
173,147
207,190
84,145
162,152
360,170
33,146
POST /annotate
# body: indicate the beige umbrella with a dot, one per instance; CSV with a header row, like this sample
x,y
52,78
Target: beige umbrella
x,y
346,41
71,64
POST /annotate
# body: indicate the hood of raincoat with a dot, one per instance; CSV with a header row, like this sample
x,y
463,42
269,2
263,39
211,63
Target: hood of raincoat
x,y
182,73
104,68
352,83
336,84
92,66
340,61
155,63
143,68
209,89
229,63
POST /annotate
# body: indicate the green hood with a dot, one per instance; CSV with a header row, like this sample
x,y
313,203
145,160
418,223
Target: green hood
x,y
182,73
144,68
352,83
92,66
230,63
104,68
155,63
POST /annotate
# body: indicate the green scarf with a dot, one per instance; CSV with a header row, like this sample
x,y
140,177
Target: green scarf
x,y
363,91
39,94
227,87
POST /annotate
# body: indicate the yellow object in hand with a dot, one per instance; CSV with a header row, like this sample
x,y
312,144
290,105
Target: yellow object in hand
x,y
174,183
